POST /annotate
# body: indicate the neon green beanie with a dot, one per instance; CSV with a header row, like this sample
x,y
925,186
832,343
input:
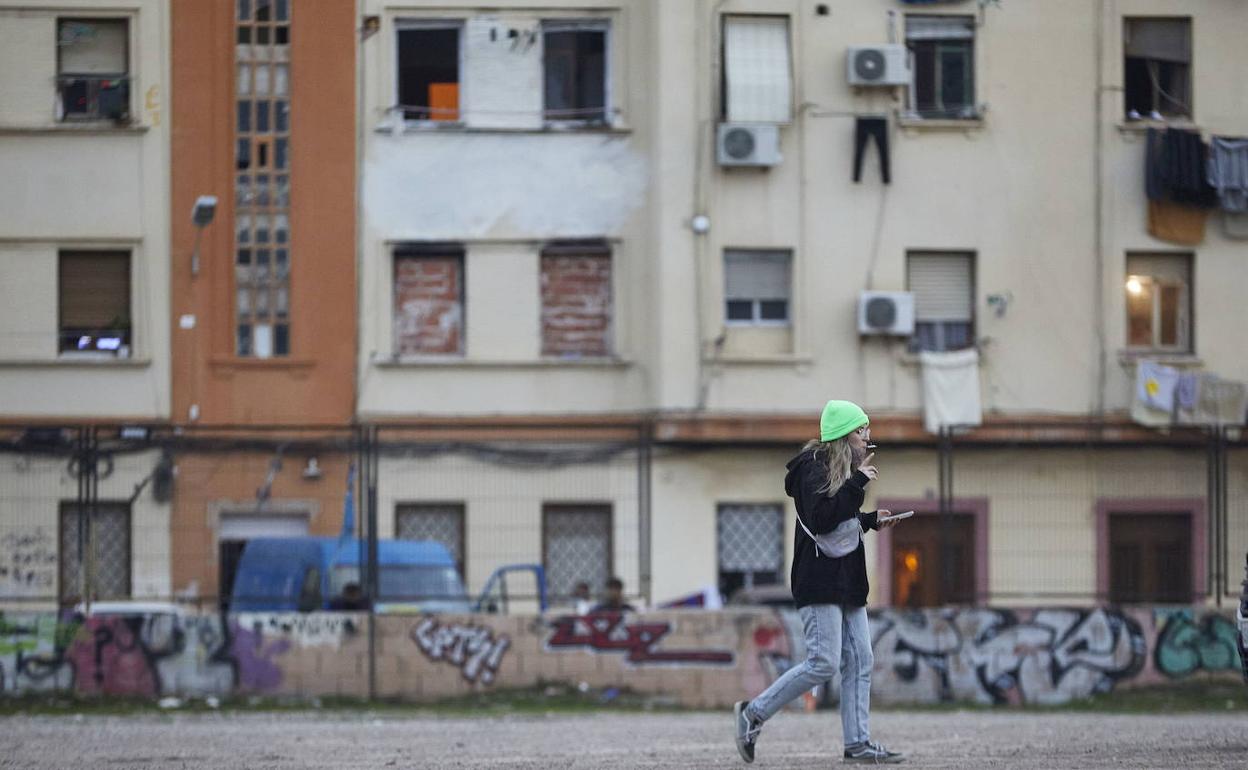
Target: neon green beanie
x,y
840,418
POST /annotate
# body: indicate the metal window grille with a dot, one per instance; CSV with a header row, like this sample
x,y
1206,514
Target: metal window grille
x,y
440,522
576,547
750,538
109,537
262,182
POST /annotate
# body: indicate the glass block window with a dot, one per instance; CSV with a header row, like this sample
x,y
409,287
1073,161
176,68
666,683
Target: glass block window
x,y
750,541
576,546
440,522
109,538
262,179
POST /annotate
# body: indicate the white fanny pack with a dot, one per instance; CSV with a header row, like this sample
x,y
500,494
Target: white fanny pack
x,y
839,542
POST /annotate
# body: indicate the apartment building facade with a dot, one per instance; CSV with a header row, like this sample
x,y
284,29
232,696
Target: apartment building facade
x,y
84,276
554,230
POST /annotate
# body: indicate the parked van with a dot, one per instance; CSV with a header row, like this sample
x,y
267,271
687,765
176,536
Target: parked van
x,y
304,574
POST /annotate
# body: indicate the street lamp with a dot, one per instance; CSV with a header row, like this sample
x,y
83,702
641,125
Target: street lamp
x,y
201,215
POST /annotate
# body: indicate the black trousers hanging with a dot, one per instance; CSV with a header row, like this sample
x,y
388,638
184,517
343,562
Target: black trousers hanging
x,y
864,130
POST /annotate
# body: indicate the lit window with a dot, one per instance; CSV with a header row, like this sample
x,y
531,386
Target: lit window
x,y
1158,295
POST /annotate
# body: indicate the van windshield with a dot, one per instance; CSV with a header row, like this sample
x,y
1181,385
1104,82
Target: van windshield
x,y
405,582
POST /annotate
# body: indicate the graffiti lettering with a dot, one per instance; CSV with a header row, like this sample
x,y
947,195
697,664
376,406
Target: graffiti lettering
x,y
474,650
1185,646
318,629
609,633
28,563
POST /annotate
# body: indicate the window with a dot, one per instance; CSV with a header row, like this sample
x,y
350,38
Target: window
x,y
108,534
262,160
575,67
429,299
757,286
944,300
933,561
428,76
440,522
1157,70
576,299
576,547
94,303
1158,289
758,82
942,50
93,69
1150,557
750,541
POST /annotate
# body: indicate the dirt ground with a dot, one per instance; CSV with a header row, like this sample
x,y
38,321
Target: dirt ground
x,y
613,740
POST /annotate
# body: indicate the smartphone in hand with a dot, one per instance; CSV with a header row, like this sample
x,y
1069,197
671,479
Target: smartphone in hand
x,y
895,516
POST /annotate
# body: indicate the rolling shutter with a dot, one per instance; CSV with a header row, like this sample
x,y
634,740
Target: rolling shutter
x,y
942,286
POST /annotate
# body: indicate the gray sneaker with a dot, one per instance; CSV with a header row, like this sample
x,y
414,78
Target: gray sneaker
x,y
747,730
873,754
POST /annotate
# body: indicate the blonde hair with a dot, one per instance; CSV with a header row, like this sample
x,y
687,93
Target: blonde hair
x,y
837,457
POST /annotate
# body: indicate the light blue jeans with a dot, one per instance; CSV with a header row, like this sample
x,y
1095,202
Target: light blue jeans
x,y
833,634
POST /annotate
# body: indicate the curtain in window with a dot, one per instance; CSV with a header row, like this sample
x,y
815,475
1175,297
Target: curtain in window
x,y
759,86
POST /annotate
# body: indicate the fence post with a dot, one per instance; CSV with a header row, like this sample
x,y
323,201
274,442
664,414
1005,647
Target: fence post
x,y
371,460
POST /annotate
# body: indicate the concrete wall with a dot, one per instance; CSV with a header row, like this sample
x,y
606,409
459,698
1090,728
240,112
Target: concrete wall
x,y
74,185
697,659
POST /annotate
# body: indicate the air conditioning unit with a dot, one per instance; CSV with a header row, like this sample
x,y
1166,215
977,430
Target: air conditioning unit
x,y
886,312
748,144
878,65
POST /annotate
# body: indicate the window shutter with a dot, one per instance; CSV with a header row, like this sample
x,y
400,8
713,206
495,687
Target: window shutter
x,y
756,69
94,289
1162,39
756,275
940,28
942,286
1164,267
93,47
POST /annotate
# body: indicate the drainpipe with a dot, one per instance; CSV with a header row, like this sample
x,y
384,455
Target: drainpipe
x,y
1099,245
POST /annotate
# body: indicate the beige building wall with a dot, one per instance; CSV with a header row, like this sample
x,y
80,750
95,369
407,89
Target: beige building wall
x,y
81,185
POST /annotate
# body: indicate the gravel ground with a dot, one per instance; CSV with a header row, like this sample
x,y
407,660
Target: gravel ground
x,y
614,740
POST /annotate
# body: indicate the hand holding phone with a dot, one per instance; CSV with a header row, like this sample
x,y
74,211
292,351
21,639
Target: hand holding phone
x,y
883,519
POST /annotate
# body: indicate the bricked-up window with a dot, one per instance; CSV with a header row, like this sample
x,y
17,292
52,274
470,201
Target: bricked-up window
x,y
1158,293
757,287
429,299
575,64
1150,557
428,69
440,522
108,536
262,182
93,72
94,303
576,547
750,541
1157,67
576,299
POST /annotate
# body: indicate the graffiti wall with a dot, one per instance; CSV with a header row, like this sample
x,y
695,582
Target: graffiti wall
x,y
696,658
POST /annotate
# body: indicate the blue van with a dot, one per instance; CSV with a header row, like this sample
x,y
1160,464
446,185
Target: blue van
x,y
303,574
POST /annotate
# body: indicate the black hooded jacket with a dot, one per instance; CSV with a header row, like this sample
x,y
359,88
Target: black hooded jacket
x,y
822,579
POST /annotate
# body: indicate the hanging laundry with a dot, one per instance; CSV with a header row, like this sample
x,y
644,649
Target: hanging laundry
x,y
866,129
1228,172
1155,385
1176,166
950,389
1187,398
1176,223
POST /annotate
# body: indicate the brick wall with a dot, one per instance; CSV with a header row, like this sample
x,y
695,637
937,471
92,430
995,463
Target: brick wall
x,y
576,305
428,304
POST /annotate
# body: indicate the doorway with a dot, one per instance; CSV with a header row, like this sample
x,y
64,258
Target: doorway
x,y
233,532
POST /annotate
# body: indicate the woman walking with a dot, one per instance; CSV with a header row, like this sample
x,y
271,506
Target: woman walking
x,y
827,481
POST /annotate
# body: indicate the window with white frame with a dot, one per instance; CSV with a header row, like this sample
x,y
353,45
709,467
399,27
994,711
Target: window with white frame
x,y
750,544
757,84
428,77
1158,293
944,299
942,53
1157,67
757,287
93,72
575,72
